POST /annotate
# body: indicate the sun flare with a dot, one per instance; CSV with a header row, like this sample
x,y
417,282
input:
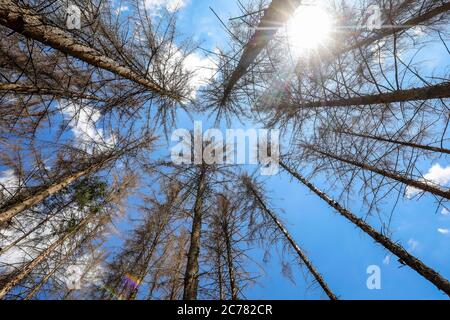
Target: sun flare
x,y
309,28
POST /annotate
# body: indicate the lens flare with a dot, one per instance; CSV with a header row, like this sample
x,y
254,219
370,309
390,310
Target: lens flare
x,y
309,28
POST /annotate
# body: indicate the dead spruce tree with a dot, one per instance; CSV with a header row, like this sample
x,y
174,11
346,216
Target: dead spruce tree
x,y
257,202
134,264
227,245
93,207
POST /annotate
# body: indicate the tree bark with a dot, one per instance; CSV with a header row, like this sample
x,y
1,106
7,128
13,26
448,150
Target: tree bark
x,y
439,91
408,259
385,32
230,266
23,273
317,276
32,25
394,141
192,267
10,210
44,280
24,89
424,186
278,12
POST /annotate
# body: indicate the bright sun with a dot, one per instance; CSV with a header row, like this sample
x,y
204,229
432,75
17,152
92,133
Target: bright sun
x,y
309,28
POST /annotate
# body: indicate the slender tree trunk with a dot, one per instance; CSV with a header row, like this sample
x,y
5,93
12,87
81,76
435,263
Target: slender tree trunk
x,y
385,32
15,242
16,278
32,25
34,90
230,265
438,91
317,276
146,264
394,141
10,210
44,280
408,259
219,274
278,12
424,186
192,267
40,224
153,286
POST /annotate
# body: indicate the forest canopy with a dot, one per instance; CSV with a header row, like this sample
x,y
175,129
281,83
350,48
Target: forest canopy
x,y
224,150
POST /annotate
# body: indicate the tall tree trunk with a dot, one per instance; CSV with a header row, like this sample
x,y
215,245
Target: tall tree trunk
x,y
25,89
47,277
17,277
163,222
394,141
408,259
229,254
192,267
25,235
438,91
10,210
143,273
385,32
424,186
44,280
219,273
230,266
278,12
317,276
32,25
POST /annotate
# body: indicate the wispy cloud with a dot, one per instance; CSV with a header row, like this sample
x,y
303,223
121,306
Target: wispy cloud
x,y
443,230
170,5
8,183
203,69
445,212
412,244
83,122
436,175
122,9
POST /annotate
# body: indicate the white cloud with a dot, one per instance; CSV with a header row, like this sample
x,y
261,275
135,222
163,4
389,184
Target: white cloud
x,y
200,69
85,272
203,69
8,183
445,212
412,244
436,175
121,9
418,31
170,5
37,240
83,121
387,260
443,230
